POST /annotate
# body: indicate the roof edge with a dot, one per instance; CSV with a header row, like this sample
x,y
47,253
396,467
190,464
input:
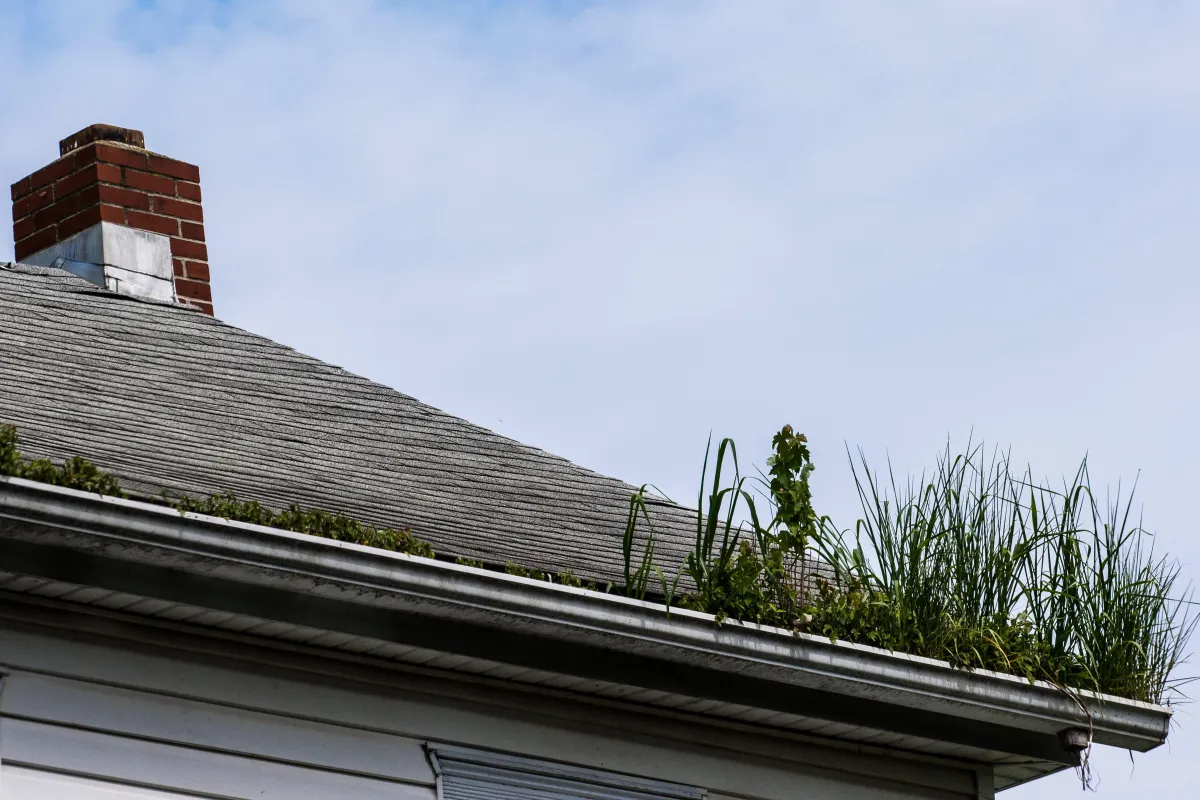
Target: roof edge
x,y
159,537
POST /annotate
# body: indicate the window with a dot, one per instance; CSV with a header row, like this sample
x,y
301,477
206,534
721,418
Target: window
x,y
468,774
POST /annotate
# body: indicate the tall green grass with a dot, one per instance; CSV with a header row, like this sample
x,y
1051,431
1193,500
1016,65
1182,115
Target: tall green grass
x,y
975,563
985,567
745,569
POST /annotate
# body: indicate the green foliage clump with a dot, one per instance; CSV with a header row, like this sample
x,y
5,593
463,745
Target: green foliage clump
x,y
744,571
975,565
10,455
569,578
74,473
313,522
987,568
790,468
469,562
513,568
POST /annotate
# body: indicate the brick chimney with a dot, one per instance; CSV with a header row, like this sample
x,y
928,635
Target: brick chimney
x,y
117,214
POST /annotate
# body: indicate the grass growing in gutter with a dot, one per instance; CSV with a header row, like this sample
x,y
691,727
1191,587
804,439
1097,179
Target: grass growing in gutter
x,y
976,564
74,473
78,473
313,522
983,566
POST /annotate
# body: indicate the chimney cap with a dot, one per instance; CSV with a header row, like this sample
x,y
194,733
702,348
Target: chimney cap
x,y
102,133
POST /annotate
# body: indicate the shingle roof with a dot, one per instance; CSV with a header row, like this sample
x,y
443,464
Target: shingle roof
x,y
170,399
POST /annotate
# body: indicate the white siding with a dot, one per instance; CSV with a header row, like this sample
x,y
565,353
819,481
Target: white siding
x,y
183,768
19,783
227,720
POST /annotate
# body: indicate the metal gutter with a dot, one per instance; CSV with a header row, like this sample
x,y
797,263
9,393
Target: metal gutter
x,y
75,535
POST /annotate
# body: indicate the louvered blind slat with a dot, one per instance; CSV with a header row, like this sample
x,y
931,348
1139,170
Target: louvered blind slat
x,y
467,774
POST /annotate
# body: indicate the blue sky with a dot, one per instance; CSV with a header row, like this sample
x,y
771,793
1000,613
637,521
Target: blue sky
x,y
609,228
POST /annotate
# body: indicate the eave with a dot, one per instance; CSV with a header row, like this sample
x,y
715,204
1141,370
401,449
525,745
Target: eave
x,y
415,610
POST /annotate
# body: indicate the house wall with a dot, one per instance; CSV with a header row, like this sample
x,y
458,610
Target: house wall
x,y
92,707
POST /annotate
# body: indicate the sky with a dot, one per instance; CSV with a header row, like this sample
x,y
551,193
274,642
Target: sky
x,y
608,229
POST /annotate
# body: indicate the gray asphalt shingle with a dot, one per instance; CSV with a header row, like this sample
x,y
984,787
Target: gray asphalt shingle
x,y
170,399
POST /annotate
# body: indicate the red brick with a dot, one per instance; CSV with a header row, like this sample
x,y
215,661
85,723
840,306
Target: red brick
x,y
32,202
192,230
89,217
148,181
205,307
87,196
120,196
118,155
198,270
93,173
83,157
176,169
75,181
193,290
77,222
56,213
188,191
109,214
108,173
191,250
24,227
153,223
22,188
179,269
32,244
52,172
179,208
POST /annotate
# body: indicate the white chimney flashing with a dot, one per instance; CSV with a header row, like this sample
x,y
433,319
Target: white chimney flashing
x,y
136,263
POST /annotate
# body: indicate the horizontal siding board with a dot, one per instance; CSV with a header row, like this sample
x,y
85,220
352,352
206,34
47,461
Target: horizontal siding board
x,y
118,758
425,708
23,783
215,727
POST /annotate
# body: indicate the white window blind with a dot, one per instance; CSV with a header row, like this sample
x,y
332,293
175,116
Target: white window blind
x,y
469,774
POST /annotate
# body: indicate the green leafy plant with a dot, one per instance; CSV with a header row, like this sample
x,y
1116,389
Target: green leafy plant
x,y
313,522
512,568
73,473
10,455
569,578
739,570
790,467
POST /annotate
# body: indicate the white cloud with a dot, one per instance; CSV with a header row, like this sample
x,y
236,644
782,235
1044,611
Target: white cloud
x,y
614,227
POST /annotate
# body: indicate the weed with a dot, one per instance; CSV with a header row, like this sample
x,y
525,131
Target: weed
x,y
313,522
512,568
984,567
74,473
